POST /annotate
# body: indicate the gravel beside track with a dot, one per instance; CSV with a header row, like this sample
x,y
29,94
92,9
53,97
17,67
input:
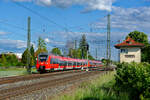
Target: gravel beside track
x,y
42,88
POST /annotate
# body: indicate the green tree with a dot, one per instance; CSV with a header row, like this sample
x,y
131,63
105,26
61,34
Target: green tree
x,y
4,61
56,51
8,60
41,46
82,41
141,37
90,57
12,60
78,54
73,53
33,58
82,45
24,57
32,51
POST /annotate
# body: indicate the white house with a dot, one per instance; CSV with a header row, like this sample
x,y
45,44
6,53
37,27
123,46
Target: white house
x,y
129,50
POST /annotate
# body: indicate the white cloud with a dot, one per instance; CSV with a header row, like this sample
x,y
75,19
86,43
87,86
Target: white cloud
x,y
22,0
13,45
88,4
44,2
53,42
47,40
3,32
127,19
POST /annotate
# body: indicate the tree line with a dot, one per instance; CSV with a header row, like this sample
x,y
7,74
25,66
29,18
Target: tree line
x,y
80,52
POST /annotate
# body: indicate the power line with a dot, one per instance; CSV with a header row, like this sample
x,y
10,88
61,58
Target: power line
x,y
38,14
43,17
14,26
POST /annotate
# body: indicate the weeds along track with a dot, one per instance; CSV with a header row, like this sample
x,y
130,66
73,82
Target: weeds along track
x,y
13,92
14,79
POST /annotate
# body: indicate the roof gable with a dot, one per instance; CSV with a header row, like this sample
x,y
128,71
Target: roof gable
x,y
129,42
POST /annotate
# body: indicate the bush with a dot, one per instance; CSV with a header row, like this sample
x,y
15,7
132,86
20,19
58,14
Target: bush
x,y
135,79
8,60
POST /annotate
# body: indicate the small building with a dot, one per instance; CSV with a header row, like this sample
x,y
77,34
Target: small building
x,y
129,51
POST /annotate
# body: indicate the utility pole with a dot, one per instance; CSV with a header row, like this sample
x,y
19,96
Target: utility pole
x,y
75,44
28,46
75,47
108,41
119,52
96,53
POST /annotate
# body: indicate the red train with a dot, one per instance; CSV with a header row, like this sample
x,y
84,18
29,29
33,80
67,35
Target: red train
x,y
48,62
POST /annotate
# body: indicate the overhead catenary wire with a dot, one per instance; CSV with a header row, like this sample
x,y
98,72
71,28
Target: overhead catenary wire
x,y
40,15
44,17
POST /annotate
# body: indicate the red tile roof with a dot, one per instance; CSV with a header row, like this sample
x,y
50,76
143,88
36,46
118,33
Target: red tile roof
x,y
129,42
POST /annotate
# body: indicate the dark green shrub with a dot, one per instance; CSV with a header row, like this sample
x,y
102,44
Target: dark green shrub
x,y
135,79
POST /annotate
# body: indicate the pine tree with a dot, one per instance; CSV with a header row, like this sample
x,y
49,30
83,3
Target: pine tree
x,y
83,46
33,59
24,57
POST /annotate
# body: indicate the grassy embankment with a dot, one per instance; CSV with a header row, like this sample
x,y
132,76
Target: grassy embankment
x,y
99,89
13,71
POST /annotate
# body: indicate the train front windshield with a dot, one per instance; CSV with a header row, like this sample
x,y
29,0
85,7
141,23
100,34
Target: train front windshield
x,y
42,58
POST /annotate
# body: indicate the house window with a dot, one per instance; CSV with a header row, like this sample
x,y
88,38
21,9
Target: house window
x,y
124,50
130,56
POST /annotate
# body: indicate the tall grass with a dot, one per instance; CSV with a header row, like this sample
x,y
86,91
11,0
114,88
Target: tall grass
x,y
99,89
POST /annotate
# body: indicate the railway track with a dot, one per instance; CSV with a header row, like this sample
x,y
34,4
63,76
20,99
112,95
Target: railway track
x,y
14,79
17,91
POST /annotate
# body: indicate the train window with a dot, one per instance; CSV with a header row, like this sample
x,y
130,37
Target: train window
x,y
69,63
61,63
51,61
65,63
43,57
74,63
78,63
58,62
54,61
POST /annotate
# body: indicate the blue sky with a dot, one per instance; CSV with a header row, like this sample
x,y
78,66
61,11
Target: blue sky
x,y
64,21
